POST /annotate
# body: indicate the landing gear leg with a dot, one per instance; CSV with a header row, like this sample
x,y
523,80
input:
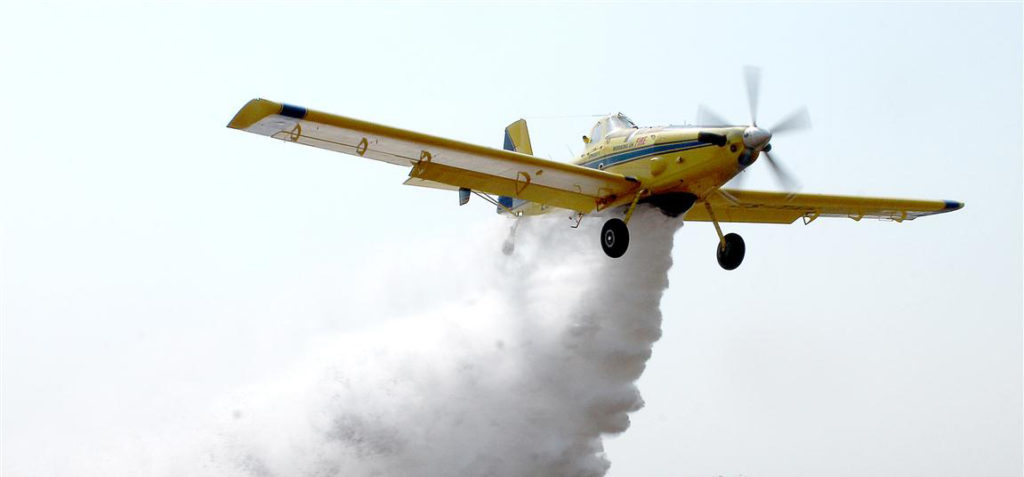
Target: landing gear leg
x,y
731,248
615,234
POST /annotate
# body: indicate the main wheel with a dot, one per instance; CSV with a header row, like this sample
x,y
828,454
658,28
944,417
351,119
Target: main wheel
x,y
731,256
614,238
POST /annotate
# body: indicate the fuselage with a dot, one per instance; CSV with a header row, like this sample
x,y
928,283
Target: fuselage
x,y
666,160
669,159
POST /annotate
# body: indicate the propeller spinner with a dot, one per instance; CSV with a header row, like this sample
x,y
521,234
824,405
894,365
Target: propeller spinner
x,y
756,138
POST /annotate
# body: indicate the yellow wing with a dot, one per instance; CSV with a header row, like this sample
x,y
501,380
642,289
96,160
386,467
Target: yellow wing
x,y
783,208
439,162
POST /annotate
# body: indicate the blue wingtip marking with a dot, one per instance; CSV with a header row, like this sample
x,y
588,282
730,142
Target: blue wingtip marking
x,y
953,205
292,111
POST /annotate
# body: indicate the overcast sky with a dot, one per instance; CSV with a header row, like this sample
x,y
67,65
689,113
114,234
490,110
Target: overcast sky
x,y
152,260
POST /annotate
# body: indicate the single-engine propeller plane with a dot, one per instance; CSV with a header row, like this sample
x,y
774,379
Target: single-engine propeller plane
x,y
678,169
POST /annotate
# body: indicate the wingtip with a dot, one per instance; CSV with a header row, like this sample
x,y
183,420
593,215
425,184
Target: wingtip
x,y
253,111
952,205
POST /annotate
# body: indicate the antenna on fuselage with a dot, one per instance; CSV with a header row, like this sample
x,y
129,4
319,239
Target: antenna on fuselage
x,y
567,116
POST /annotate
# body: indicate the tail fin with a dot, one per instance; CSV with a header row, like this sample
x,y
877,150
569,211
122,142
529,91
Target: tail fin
x,y
517,139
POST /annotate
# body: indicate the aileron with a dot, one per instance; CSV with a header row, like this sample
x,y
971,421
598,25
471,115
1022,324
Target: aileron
x,y
785,208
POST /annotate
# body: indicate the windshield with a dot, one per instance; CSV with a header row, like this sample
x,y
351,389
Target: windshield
x,y
608,125
620,121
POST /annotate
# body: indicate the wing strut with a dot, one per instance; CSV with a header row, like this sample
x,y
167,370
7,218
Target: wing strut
x,y
494,202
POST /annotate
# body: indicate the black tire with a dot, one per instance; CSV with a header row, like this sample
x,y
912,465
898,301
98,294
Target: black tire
x,y
731,256
614,238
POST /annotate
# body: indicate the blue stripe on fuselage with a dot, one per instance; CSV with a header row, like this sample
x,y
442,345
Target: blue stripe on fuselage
x,y
625,156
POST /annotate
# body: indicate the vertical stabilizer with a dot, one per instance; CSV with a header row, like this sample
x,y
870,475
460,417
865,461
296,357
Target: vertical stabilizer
x,y
517,138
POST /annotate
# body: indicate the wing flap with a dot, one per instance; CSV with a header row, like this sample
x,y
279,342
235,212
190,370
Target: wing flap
x,y
413,181
783,208
444,161
521,187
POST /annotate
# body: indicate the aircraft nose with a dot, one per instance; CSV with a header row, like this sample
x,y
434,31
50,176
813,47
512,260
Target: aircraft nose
x,y
755,137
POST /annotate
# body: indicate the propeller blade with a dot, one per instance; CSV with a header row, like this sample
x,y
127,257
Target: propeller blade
x,y
707,117
796,121
752,75
784,179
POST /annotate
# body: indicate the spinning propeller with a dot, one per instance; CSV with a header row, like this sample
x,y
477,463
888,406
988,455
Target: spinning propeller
x,y
758,139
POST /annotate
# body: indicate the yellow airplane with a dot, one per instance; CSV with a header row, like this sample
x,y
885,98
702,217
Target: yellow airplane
x,y
672,168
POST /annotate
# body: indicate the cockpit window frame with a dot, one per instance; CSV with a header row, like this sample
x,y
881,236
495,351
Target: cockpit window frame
x,y
599,131
622,121
609,124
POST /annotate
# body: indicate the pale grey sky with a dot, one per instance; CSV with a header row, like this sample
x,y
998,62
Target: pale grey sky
x,y
153,261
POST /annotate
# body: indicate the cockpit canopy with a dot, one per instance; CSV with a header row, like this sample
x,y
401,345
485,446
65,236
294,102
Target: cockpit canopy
x,y
608,125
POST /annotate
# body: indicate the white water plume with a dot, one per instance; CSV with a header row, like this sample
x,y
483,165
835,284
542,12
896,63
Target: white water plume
x,y
521,378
